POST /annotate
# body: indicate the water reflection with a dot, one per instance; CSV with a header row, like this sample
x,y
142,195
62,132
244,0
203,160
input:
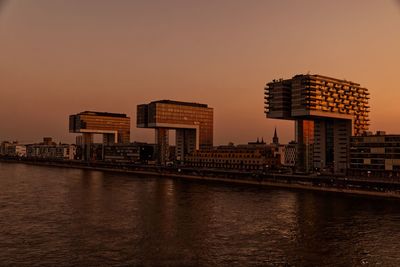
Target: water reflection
x,y
70,217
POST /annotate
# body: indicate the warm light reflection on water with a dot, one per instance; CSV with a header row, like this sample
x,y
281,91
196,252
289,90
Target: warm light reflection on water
x,y
66,217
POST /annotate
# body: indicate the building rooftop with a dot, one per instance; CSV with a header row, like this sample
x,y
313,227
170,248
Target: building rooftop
x,y
180,103
104,114
317,76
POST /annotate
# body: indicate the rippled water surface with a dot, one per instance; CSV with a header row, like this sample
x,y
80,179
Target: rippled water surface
x,y
68,217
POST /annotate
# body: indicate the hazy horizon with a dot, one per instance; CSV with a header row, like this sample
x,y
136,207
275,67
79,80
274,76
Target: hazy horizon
x,y
62,57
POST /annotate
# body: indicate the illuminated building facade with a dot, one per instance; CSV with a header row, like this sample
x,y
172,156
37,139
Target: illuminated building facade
x,y
192,122
375,155
114,127
14,150
327,111
241,157
51,150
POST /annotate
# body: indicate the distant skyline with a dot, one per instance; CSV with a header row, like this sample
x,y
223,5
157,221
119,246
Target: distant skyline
x,y
62,57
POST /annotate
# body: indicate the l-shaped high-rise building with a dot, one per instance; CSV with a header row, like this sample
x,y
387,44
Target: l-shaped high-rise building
x,y
193,123
114,127
327,112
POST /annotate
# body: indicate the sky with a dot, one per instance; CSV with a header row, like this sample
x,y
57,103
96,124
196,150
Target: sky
x,y
60,57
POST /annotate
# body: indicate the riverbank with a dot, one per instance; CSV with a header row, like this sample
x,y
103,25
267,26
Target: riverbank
x,y
342,185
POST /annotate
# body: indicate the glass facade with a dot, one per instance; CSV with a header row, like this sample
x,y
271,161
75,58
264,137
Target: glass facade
x,y
102,123
114,127
192,121
305,148
375,155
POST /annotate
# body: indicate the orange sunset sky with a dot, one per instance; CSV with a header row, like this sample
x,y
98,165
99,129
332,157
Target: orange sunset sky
x,y
60,57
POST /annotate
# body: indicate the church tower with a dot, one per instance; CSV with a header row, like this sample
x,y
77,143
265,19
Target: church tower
x,y
275,139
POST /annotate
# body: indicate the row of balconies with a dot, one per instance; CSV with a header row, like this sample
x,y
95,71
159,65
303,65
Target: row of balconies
x,y
359,113
361,119
361,109
361,116
321,83
364,116
331,83
336,95
360,127
361,122
346,104
336,87
336,100
341,89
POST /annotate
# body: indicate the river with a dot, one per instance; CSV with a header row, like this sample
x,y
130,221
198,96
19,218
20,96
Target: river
x,y
71,217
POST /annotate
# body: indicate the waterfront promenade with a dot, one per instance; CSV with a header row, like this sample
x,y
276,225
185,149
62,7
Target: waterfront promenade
x,y
327,183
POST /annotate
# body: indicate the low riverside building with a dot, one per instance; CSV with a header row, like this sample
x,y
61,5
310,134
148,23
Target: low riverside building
x,y
241,157
122,153
96,152
375,155
3,147
16,150
12,149
51,150
129,153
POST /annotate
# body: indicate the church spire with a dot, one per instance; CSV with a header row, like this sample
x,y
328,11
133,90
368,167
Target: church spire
x,y
275,140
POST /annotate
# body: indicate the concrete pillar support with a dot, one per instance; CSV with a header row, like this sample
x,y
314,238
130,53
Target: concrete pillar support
x,y
162,145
